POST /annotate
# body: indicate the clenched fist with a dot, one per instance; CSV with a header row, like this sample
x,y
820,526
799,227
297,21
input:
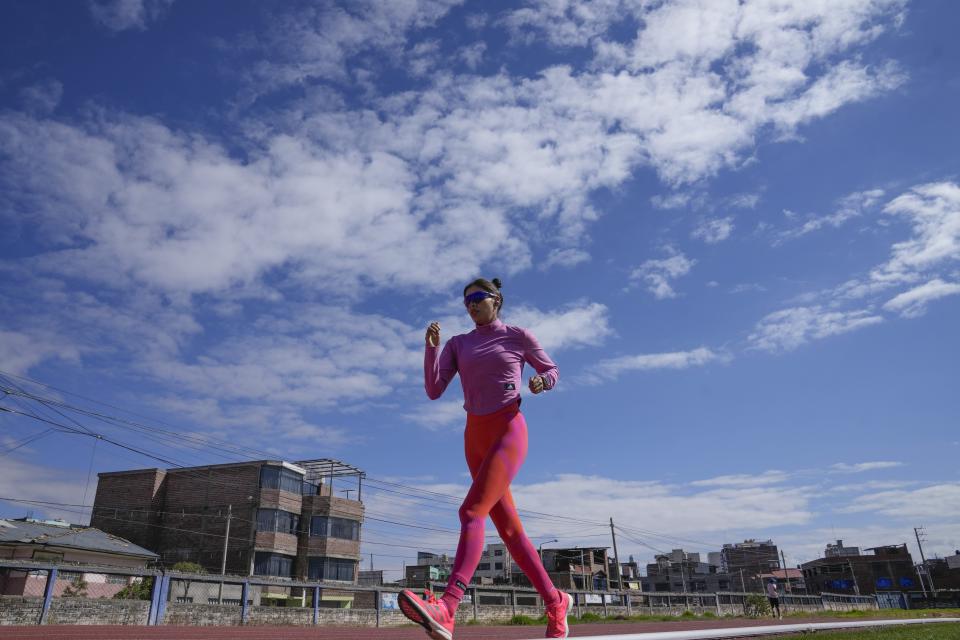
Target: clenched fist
x,y
433,334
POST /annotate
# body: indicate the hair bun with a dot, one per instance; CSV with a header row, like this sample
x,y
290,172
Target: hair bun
x,y
496,282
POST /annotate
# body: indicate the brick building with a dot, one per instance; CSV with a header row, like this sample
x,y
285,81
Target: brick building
x,y
284,519
753,558
887,568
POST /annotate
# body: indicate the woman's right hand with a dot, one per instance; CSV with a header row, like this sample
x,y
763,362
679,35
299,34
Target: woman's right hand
x,y
433,335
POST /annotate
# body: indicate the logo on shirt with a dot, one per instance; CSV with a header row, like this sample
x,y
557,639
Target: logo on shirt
x,y
509,386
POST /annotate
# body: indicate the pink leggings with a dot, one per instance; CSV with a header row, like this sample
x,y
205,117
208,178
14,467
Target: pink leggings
x,y
496,445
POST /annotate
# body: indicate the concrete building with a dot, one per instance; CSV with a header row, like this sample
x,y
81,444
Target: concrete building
x,y
838,550
496,566
72,546
430,567
753,558
578,568
284,519
683,572
887,568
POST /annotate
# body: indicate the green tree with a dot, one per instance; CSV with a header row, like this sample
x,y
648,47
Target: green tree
x,y
140,590
187,567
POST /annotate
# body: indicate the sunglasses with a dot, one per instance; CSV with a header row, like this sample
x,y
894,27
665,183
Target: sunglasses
x,y
477,297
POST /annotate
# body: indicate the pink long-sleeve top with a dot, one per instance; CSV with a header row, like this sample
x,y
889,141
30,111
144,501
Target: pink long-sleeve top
x,y
490,361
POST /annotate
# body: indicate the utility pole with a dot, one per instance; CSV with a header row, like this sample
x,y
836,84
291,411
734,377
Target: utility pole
x,y
616,556
933,587
856,586
786,575
743,589
223,563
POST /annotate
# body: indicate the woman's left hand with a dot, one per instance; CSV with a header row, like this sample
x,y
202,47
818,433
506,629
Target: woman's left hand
x,y
536,384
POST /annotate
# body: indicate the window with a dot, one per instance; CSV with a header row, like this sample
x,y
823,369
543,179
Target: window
x,y
483,566
277,520
498,566
272,564
343,528
331,569
115,579
281,478
320,526
498,552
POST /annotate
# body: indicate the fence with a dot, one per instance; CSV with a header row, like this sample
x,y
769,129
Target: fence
x,y
40,593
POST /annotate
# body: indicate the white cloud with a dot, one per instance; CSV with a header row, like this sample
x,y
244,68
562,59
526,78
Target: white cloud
x,y
121,15
320,41
674,512
714,231
579,325
47,484
933,210
20,350
42,97
744,480
913,303
658,274
439,414
614,367
787,329
179,214
935,501
860,467
567,257
851,206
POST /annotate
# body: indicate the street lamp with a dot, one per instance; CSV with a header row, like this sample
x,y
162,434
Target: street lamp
x,y
540,548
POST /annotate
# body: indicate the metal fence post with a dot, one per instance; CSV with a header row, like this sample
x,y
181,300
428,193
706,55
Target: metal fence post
x,y
578,604
475,603
164,594
513,601
154,601
47,595
316,605
376,605
603,597
244,609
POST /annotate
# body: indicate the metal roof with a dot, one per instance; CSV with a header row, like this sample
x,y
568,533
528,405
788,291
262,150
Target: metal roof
x,y
68,537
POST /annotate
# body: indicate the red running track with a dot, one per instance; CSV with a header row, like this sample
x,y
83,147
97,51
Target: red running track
x,y
469,632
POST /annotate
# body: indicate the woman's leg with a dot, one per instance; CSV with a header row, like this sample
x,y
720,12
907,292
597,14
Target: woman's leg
x,y
495,449
507,520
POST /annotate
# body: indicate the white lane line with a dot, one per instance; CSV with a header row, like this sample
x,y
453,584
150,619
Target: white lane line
x,y
742,632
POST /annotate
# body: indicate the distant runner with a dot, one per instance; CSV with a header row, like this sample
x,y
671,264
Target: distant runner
x,y
774,597
490,362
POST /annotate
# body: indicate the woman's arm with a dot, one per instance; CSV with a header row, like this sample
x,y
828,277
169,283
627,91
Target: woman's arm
x,y
537,358
438,368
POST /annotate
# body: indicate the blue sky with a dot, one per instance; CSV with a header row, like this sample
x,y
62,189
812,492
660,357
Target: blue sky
x,y
734,226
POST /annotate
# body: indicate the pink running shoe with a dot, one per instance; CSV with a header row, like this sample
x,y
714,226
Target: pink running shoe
x,y
431,614
557,617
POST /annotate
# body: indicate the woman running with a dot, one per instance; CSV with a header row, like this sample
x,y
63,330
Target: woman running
x,y
490,361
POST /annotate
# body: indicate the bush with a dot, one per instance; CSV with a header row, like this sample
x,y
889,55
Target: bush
x,y
524,621
139,590
756,606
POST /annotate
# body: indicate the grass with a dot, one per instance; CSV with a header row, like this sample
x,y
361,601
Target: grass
x,y
590,617
949,631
